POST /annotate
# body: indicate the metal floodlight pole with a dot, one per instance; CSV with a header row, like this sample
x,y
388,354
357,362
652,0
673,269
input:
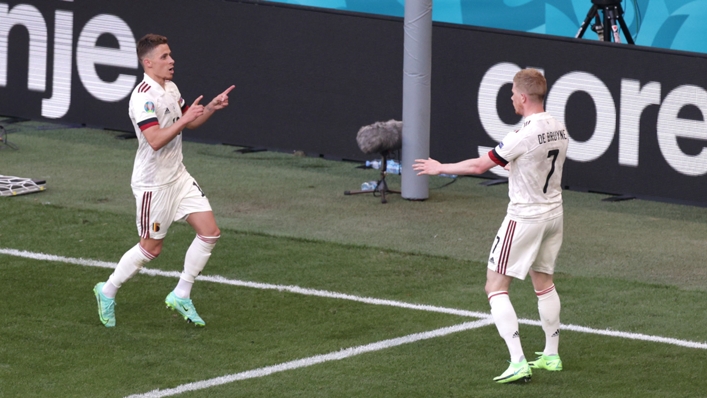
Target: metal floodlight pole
x,y
417,69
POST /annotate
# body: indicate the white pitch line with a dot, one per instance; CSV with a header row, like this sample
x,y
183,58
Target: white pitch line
x,y
636,336
51,257
343,296
255,285
367,300
305,362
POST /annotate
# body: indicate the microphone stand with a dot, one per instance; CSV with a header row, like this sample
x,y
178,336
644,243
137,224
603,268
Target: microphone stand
x,y
381,185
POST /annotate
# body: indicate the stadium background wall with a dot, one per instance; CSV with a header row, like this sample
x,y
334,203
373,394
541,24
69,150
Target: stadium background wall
x,y
308,79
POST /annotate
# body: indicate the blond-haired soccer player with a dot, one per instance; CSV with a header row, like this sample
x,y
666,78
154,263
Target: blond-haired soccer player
x,y
531,233
163,189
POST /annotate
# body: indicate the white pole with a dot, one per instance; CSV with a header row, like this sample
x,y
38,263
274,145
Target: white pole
x,y
417,69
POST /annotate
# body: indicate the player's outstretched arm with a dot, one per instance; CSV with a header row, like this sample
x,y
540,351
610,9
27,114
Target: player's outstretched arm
x,y
430,166
219,102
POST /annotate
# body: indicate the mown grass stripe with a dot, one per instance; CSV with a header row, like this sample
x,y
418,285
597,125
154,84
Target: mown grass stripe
x,y
317,359
255,285
367,300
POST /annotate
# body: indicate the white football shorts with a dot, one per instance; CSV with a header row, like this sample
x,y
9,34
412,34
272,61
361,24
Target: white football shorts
x,y
520,246
158,209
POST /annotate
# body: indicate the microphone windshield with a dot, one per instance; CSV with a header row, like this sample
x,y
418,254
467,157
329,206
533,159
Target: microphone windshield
x,y
380,137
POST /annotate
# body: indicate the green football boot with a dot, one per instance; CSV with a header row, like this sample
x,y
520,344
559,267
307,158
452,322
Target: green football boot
x,y
185,308
106,306
517,371
547,362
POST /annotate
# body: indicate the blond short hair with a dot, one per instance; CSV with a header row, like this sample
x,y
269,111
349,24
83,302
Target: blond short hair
x,y
531,83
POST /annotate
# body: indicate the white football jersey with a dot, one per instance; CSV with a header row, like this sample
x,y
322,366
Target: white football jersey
x,y
536,154
151,105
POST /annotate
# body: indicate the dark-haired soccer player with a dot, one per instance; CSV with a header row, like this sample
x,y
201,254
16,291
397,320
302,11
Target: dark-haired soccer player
x,y
531,234
163,189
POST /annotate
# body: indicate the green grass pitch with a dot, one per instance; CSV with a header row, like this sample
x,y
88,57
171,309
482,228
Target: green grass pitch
x,y
631,277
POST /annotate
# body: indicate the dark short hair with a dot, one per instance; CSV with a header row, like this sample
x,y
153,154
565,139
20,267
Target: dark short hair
x,y
148,43
532,83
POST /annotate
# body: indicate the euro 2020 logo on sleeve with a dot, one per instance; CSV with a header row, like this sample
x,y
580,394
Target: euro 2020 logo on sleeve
x,y
149,107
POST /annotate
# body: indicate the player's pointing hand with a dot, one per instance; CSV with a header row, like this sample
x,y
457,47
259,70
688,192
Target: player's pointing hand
x,y
221,100
195,110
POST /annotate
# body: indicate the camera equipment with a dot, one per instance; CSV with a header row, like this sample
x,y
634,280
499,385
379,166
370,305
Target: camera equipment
x,y
613,14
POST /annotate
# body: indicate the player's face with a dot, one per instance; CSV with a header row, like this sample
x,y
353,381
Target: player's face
x,y
161,63
517,100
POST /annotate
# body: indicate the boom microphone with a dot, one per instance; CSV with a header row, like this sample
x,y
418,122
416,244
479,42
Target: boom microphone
x,y
380,137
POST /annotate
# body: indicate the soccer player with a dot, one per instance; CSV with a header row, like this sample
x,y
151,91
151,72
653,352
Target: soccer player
x,y
163,189
531,233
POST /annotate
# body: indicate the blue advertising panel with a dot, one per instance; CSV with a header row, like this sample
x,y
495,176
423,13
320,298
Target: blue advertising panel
x,y
674,24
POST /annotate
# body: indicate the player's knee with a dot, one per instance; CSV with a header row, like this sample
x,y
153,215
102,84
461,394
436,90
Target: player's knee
x,y
487,289
494,286
152,253
490,286
208,239
151,247
211,232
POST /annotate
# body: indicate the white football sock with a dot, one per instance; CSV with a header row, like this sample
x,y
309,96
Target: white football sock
x,y
183,289
129,265
549,310
194,262
507,323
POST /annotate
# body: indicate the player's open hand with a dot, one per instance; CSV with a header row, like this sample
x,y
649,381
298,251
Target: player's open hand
x,y
427,166
221,100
